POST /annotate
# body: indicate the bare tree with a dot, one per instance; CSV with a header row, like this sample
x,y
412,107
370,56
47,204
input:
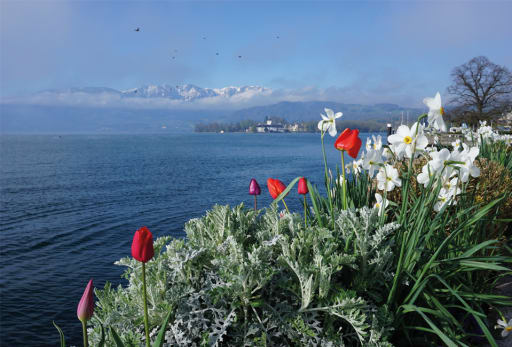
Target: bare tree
x,y
481,89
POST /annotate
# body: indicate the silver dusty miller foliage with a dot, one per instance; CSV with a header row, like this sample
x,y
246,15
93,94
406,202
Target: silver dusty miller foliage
x,y
246,278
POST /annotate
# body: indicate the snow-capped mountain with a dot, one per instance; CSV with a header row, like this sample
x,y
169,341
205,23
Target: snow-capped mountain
x,y
190,92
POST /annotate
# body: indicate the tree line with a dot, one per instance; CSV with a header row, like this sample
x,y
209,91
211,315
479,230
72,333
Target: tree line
x,y
307,126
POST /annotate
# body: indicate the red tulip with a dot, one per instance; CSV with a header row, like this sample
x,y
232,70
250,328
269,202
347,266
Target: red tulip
x,y
254,188
86,305
349,141
303,186
142,245
275,187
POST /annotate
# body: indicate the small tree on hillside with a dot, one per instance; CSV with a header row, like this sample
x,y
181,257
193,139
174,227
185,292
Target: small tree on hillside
x,y
480,89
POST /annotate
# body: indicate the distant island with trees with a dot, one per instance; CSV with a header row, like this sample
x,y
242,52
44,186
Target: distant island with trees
x,y
282,125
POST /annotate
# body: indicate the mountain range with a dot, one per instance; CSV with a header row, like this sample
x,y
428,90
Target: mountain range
x,y
92,109
186,92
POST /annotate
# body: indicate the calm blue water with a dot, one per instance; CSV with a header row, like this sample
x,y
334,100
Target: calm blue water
x,y
70,205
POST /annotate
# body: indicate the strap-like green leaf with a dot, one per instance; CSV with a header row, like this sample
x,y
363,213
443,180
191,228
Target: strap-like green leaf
x,y
102,339
160,338
287,190
312,195
116,338
62,339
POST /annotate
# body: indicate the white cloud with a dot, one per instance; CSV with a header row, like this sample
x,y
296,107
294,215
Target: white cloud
x,y
356,93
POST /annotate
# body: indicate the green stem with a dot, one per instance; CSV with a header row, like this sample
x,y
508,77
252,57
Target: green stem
x,y
255,204
146,325
325,163
287,210
344,180
84,332
327,182
305,212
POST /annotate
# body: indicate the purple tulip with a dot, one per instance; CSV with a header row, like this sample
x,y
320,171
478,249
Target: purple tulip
x,y
254,187
86,306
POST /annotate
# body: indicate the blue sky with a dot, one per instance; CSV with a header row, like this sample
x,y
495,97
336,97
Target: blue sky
x,y
361,52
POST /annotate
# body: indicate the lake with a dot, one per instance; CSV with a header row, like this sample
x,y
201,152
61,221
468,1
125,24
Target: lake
x,y
70,205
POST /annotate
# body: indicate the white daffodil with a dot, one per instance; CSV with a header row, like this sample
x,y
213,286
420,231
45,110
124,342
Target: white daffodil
x,y
379,204
387,152
507,327
377,142
469,168
328,123
355,166
387,178
408,140
426,173
440,159
444,197
431,149
457,145
435,112
372,161
450,183
368,144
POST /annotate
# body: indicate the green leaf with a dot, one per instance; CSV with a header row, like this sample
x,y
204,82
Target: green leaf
x,y
434,327
116,338
102,339
287,190
62,339
476,248
161,334
312,195
483,265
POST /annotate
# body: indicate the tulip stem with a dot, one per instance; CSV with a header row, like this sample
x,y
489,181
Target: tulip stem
x,y
305,212
84,332
255,204
146,325
287,210
344,181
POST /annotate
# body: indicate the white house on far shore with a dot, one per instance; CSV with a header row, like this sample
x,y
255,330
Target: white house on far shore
x,y
269,127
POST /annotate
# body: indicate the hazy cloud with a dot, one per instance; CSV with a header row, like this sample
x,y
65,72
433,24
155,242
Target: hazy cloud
x,y
355,93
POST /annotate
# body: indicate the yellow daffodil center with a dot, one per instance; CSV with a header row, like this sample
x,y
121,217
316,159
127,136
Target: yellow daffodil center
x,y
509,328
388,178
441,110
378,205
407,139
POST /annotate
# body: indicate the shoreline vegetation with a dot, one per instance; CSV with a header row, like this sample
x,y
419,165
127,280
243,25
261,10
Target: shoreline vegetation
x,y
281,125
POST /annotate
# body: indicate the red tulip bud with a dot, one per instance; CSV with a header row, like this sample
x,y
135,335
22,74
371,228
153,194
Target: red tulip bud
x,y
86,305
275,187
142,245
303,186
349,141
254,187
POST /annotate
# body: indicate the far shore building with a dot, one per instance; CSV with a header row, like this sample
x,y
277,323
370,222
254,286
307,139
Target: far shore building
x,y
270,127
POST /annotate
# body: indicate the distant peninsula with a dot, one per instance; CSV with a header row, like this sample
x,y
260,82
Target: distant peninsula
x,y
282,125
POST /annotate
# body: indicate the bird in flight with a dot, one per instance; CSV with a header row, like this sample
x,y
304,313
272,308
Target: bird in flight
x,y
277,36
239,56
136,29
217,53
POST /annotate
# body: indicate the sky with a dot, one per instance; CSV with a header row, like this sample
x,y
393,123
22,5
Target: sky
x,y
353,52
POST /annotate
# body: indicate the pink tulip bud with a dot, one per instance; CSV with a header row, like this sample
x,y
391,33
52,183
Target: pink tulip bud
x,y
254,187
86,306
